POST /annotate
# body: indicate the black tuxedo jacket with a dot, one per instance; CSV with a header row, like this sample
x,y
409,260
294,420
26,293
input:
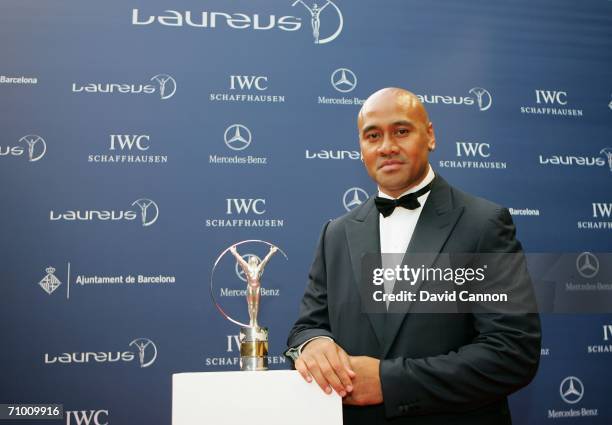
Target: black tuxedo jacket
x,y
435,368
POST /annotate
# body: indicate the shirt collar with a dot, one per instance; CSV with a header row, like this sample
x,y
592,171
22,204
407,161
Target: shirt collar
x,y
428,179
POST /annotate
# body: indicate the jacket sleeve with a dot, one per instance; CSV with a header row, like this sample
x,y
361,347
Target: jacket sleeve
x,y
313,319
502,357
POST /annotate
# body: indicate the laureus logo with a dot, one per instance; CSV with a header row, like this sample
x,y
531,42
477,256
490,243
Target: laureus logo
x,y
323,34
167,85
483,97
143,349
35,146
607,153
147,351
478,96
149,211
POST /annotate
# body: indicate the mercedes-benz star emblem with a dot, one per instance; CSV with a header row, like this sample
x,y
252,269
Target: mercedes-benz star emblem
x,y
344,80
237,137
587,265
354,197
571,390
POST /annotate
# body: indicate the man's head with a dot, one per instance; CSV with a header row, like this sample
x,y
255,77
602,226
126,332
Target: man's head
x,y
395,136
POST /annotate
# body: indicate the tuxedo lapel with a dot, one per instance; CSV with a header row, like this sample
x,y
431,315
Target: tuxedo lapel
x,y
432,230
363,237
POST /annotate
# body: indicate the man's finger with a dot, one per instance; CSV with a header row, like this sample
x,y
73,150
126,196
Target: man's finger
x,y
315,372
330,374
300,366
340,372
346,362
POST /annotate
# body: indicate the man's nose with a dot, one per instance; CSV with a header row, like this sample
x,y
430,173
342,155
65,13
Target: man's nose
x,y
388,145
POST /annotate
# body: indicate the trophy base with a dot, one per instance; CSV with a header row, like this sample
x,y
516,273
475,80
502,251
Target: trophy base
x,y
253,349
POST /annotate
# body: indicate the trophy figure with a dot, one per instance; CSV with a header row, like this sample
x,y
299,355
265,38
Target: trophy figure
x,y
253,338
253,270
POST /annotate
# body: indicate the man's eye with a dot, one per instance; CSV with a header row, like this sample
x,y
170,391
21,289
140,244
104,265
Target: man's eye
x,y
372,136
402,131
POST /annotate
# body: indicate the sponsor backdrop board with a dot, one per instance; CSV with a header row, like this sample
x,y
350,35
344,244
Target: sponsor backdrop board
x,y
139,139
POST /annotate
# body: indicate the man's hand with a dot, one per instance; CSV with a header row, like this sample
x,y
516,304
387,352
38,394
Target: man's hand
x,y
324,360
366,383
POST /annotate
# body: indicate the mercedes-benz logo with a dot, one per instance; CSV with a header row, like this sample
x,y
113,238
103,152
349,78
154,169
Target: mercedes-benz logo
x,y
354,197
237,137
587,265
239,271
571,390
343,80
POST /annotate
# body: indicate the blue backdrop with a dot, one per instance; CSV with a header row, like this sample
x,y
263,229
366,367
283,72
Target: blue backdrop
x,y
139,139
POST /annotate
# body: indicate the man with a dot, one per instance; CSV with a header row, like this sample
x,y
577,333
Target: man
x,y
411,368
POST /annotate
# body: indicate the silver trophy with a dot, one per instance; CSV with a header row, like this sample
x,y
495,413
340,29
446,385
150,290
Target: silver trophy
x,y
253,338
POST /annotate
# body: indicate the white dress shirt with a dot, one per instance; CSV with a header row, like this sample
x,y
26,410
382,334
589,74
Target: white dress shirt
x,y
396,230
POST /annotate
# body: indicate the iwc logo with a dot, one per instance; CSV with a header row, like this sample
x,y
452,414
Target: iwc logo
x,y
551,102
473,155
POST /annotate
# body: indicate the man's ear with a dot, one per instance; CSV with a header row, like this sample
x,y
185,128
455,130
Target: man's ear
x,y
431,144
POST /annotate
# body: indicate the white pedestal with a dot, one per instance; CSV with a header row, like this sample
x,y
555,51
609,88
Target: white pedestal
x,y
255,398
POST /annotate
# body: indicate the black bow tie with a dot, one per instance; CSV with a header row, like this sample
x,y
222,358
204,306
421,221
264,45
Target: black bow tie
x,y
386,206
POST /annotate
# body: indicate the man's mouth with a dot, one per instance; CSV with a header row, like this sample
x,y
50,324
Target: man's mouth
x,y
390,165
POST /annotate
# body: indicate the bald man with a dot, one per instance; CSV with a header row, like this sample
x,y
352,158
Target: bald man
x,y
404,368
